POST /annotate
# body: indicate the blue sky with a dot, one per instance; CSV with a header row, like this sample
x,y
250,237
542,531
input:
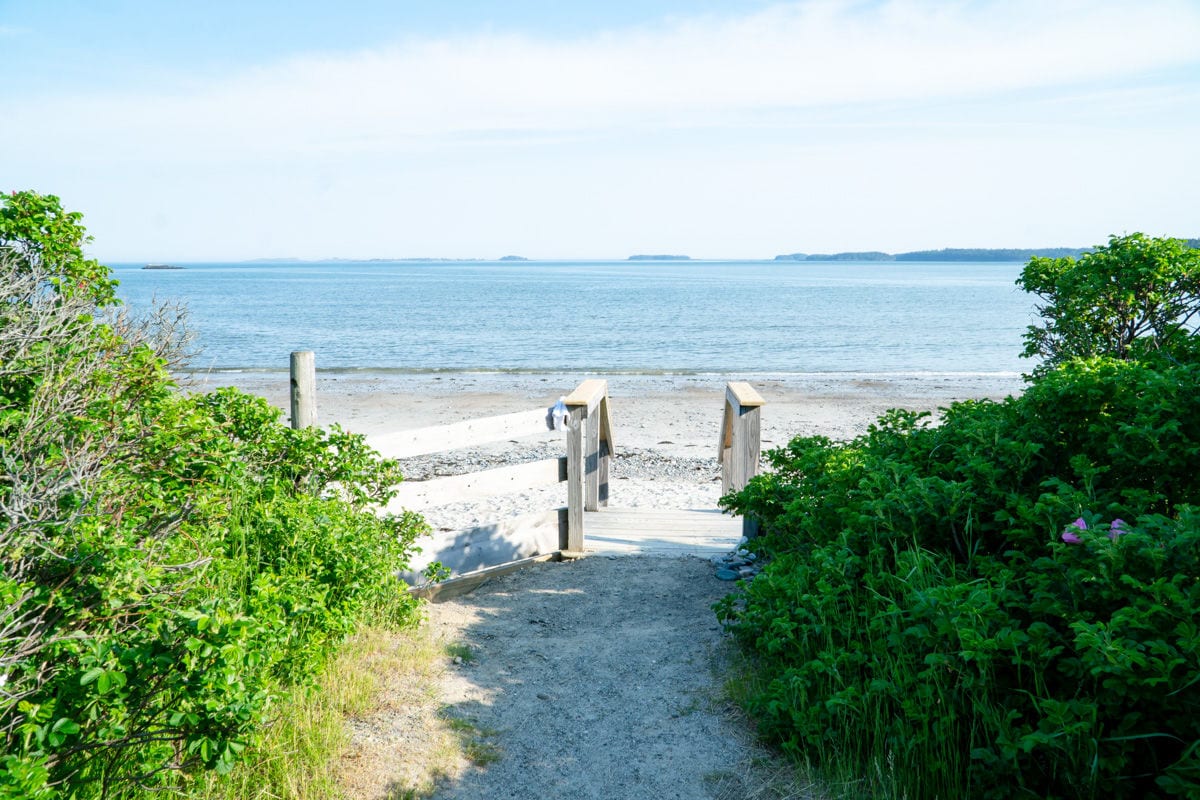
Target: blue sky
x,y
230,130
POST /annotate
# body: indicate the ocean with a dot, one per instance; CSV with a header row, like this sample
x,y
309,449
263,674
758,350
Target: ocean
x,y
678,317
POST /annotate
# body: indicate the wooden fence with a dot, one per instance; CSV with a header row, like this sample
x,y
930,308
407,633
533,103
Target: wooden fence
x,y
557,531
552,533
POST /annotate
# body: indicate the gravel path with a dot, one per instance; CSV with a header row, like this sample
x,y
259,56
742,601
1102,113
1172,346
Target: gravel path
x,y
598,678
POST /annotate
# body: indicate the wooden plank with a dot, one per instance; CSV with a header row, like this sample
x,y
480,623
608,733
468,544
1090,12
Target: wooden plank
x,y
476,485
745,450
605,523
726,470
696,514
648,518
606,428
591,470
602,492
743,394
304,389
668,532
588,393
575,477
489,545
680,520
606,449
456,587
726,438
468,433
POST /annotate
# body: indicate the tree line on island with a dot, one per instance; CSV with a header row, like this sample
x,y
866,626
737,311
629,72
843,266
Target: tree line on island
x,y
955,254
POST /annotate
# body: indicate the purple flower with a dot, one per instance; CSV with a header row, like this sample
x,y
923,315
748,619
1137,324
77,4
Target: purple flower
x,y
1071,534
1117,528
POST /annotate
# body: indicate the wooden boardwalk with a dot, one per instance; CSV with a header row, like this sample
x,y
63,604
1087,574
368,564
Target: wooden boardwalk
x,y
665,532
586,524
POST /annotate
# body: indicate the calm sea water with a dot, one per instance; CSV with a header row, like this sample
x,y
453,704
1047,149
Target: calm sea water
x,y
732,317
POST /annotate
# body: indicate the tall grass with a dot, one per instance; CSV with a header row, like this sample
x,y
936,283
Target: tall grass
x,y
308,753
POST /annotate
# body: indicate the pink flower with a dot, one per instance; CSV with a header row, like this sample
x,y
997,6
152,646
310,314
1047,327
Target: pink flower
x,y
1117,528
1071,534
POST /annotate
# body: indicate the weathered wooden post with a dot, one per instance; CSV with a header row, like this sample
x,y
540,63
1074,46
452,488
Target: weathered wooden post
x,y
741,443
304,389
576,421
605,450
589,448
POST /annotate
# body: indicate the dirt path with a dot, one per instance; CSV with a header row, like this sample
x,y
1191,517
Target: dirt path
x,y
599,678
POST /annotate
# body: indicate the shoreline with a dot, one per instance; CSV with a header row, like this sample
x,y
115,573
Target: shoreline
x,y
665,428
672,411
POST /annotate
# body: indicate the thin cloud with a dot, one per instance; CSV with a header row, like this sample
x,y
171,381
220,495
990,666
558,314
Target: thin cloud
x,y
746,70
925,122
789,57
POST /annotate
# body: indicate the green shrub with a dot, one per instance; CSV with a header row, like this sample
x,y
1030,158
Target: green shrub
x,y
1137,297
1004,604
171,563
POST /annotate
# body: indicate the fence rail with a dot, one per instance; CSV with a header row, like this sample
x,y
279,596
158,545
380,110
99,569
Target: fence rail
x,y
553,533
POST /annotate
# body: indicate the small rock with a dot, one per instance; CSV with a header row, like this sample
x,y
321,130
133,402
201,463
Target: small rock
x,y
727,575
543,696
458,659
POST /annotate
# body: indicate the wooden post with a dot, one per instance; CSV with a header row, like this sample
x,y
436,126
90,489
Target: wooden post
x,y
575,466
592,460
304,389
741,443
589,445
604,423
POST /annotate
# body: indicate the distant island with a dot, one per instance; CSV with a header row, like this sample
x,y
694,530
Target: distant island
x,y
161,266
946,254
954,254
868,255
410,259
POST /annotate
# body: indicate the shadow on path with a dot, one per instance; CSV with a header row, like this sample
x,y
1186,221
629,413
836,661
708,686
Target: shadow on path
x,y
598,678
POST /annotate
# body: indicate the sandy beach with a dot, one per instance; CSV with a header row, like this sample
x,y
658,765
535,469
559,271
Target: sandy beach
x,y
665,426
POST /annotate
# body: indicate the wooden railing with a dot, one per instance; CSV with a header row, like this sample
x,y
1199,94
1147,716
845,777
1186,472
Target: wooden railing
x,y
589,450
741,442
515,539
553,533
550,534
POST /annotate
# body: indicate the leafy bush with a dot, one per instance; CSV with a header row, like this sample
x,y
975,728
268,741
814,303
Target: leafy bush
x,y
1002,604
1132,298
170,562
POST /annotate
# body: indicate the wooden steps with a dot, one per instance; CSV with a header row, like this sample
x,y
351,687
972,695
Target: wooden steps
x,y
666,532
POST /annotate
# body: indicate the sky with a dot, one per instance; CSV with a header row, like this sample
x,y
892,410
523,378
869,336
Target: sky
x,y
234,129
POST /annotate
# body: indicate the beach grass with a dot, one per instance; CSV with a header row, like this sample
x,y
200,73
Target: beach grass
x,y
328,739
